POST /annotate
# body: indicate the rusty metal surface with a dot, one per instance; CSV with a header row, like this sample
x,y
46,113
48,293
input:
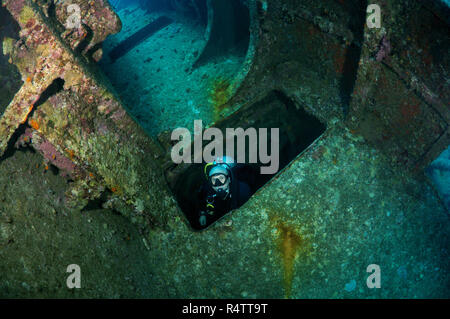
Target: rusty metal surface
x,y
399,102
84,121
348,199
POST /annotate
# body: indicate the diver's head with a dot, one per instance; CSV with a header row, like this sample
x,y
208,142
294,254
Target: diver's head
x,y
220,180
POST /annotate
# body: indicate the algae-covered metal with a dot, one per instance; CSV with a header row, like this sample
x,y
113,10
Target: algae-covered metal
x,y
346,202
84,120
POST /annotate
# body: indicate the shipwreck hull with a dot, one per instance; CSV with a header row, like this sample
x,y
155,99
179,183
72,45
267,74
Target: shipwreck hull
x,y
384,106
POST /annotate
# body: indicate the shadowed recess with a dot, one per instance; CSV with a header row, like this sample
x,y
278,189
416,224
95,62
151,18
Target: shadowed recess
x,y
54,88
229,30
297,130
138,37
353,56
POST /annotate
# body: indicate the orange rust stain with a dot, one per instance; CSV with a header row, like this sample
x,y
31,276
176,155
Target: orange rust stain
x,y
28,79
116,190
288,243
34,124
25,118
71,153
220,92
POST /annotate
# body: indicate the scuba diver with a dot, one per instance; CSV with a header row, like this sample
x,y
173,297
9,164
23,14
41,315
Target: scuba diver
x,y
224,190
